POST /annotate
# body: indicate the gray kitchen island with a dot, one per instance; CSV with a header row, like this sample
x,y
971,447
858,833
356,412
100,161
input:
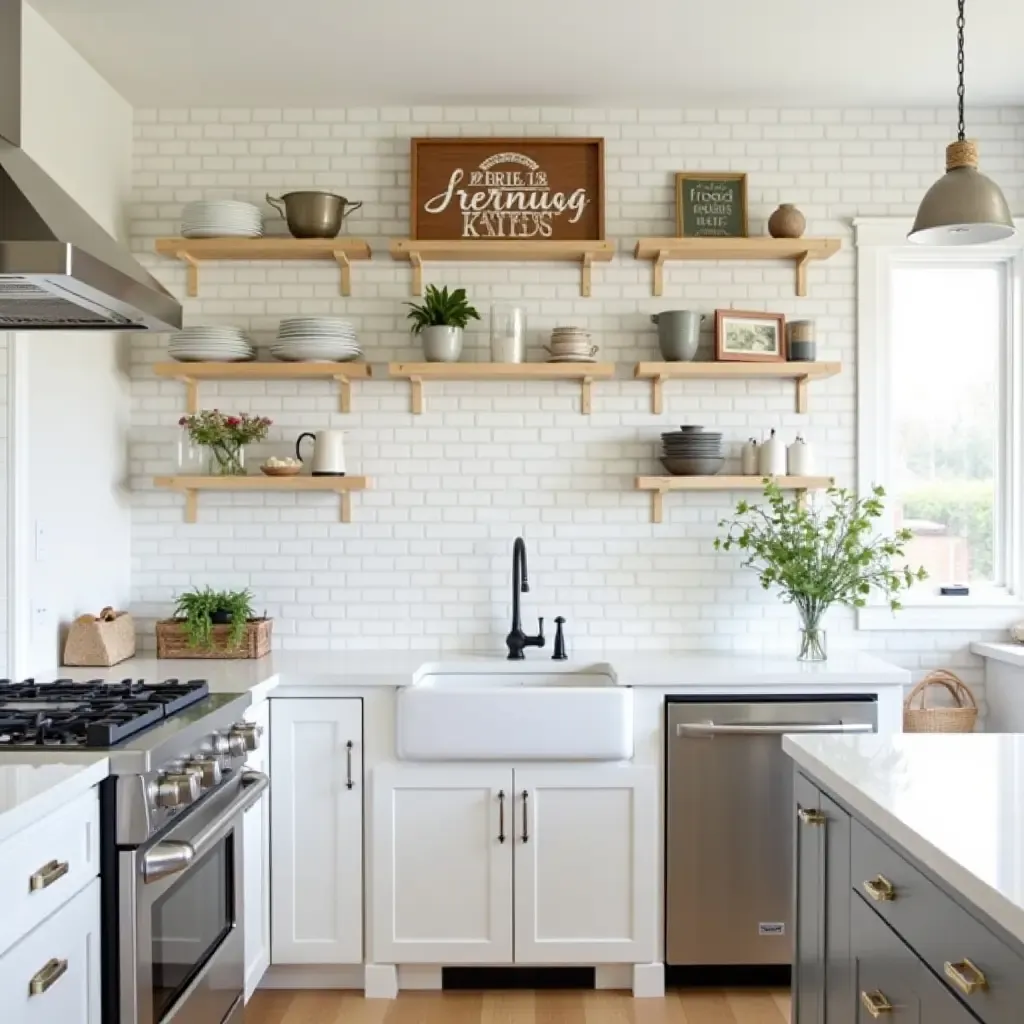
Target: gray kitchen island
x,y
909,879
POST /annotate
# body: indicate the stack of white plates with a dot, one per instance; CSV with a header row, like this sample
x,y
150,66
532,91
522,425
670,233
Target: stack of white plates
x,y
316,339
210,345
221,218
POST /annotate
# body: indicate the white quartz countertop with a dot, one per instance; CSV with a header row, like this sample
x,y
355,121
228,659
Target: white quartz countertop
x,y
29,791
309,671
1010,654
953,802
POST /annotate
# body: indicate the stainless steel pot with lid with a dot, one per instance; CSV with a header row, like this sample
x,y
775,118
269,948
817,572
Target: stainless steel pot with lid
x,y
313,214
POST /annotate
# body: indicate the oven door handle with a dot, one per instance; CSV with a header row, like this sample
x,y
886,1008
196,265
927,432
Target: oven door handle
x,y
818,728
172,856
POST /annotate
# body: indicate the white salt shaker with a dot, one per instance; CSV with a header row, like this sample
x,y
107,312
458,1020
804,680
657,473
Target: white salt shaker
x,y
800,458
771,457
748,458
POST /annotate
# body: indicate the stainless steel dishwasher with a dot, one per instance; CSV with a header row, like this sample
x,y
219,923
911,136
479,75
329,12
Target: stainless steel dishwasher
x,y
728,829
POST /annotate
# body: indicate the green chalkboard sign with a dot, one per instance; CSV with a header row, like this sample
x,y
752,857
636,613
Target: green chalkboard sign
x,y
711,205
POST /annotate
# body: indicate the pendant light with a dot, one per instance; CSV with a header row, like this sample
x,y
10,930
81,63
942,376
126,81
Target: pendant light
x,y
963,207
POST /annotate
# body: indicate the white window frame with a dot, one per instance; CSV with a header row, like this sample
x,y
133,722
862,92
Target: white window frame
x,y
881,244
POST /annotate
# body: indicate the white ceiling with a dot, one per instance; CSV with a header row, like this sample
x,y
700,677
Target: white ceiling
x,y
669,53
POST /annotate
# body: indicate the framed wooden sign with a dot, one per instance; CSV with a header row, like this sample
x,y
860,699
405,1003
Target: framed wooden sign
x,y
711,205
508,188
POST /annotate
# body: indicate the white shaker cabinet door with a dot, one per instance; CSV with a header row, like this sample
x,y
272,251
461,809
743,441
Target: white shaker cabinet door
x,y
316,835
585,865
257,862
52,976
442,865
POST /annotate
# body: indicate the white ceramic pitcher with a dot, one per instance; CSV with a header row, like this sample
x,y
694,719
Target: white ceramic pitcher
x,y
328,452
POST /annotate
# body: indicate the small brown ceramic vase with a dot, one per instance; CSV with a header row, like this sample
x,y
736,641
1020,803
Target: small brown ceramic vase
x,y
786,222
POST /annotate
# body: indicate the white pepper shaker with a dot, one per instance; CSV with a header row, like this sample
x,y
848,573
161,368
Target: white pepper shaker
x,y
748,458
800,458
772,457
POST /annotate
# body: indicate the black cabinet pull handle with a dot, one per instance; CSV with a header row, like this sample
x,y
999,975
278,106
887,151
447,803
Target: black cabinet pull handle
x,y
526,814
348,765
501,815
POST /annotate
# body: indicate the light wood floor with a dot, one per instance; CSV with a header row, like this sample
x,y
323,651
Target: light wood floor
x,y
688,1006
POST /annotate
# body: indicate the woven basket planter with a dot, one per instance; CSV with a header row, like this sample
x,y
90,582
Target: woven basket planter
x,y
172,641
959,718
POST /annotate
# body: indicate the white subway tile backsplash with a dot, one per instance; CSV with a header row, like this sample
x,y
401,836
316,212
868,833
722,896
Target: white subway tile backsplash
x,y
425,561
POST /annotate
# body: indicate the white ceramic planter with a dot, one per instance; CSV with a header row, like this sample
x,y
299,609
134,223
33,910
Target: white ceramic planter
x,y
441,344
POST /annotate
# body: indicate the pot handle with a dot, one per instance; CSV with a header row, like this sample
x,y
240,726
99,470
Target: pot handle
x,y
351,208
298,443
654,318
277,204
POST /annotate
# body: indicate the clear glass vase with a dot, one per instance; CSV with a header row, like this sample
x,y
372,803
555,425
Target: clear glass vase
x,y
813,645
226,459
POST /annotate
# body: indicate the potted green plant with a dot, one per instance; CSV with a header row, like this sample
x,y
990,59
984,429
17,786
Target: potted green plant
x,y
210,623
225,437
439,321
820,555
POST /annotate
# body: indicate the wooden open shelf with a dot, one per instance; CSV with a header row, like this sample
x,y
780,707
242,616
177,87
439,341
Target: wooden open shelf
x,y
585,373
192,373
658,485
194,251
800,250
511,250
190,486
800,373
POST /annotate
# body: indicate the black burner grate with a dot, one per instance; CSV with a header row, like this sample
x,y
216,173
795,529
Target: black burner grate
x,y
88,715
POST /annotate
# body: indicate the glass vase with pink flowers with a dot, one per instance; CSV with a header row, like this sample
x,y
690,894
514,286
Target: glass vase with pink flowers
x,y
225,437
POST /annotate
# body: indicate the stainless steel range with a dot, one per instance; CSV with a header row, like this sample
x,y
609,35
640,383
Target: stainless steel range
x,y
172,819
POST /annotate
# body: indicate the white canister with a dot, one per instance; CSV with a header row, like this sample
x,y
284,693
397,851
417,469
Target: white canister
x,y
771,457
748,459
800,458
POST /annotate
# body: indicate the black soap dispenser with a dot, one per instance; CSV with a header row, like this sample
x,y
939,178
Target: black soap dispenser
x,y
559,654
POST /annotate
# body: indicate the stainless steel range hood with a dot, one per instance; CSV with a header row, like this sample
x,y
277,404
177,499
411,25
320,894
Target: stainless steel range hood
x,y
59,270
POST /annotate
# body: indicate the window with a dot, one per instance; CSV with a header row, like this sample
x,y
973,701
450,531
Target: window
x,y
940,383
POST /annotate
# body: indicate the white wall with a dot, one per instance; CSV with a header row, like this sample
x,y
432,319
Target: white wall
x,y
71,391
426,561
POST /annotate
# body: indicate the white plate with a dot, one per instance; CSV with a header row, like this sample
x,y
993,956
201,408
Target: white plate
x,y
572,359
222,233
346,358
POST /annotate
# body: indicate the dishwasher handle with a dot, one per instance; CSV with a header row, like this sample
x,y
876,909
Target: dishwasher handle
x,y
685,729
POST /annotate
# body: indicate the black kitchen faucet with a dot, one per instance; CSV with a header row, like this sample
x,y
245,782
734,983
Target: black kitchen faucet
x,y
517,640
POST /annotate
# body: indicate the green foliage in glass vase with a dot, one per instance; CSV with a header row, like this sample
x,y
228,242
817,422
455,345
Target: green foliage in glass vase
x,y
196,609
441,309
820,555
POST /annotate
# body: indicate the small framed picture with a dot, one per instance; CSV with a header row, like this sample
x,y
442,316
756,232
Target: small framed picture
x,y
749,337
711,204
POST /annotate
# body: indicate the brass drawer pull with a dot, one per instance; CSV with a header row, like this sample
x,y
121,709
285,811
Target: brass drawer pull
x,y
875,1003
47,976
48,874
880,889
810,817
965,975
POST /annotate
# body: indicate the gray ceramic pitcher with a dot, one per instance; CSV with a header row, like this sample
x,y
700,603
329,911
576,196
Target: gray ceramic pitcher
x,y
678,334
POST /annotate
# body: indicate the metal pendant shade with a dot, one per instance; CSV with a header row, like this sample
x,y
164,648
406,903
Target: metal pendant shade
x,y
963,207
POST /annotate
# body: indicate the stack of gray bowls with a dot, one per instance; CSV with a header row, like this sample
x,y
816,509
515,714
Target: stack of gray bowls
x,y
692,451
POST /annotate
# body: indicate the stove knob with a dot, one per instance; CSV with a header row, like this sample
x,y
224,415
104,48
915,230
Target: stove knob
x,y
249,732
176,790
228,744
206,769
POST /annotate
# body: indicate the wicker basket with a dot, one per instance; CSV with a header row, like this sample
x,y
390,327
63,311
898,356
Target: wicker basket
x,y
961,718
172,641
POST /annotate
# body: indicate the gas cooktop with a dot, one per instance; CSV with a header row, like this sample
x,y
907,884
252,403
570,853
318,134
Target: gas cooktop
x,y
91,715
